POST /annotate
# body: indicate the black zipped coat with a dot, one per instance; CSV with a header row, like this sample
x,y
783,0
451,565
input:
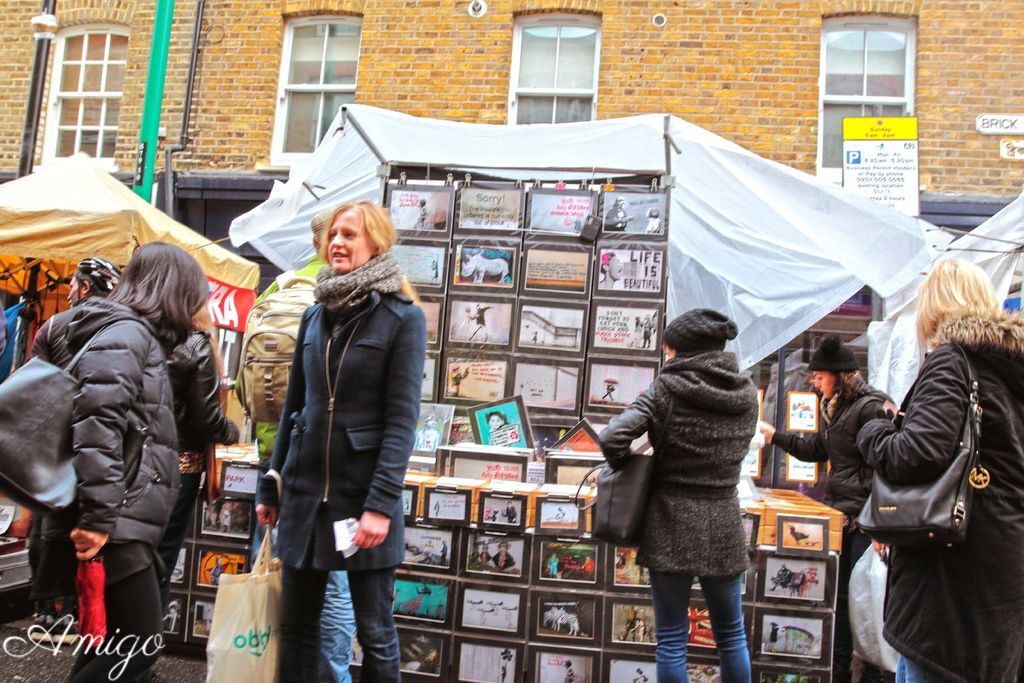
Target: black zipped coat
x,y
334,469
959,612
196,386
123,430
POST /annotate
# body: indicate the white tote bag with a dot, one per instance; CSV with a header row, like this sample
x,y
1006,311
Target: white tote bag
x,y
245,633
867,607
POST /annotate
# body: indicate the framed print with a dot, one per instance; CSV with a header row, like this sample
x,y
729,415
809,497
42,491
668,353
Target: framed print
x,y
482,660
628,213
703,669
430,370
182,566
433,311
566,467
213,562
800,471
499,464
238,479
635,668
411,502
701,635
551,326
636,269
560,212
567,561
599,422
174,617
550,429
629,623
498,610
788,634
796,580
424,263
751,527
503,511
423,210
430,549
626,327
551,664
200,617
797,535
558,516
490,555
433,427
557,270
480,322
502,423
565,618
447,507
613,385
626,574
491,208
582,438
486,266
474,378
764,673
423,655
462,431
549,385
227,518
801,411
423,600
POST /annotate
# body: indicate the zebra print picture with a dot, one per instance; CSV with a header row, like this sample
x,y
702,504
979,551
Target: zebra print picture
x,y
566,618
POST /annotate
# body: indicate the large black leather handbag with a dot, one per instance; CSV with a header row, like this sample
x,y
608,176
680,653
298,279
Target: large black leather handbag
x,y
937,512
36,458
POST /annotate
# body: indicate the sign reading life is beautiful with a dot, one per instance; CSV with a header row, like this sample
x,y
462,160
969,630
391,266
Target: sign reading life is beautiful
x,y
880,160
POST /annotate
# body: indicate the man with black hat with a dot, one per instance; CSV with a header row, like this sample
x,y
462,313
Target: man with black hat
x,y
847,403
700,413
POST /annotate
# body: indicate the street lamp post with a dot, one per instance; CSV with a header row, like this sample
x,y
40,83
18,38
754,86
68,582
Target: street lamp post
x,y
45,28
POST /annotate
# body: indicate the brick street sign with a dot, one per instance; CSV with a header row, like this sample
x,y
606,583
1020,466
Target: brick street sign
x,y
1000,124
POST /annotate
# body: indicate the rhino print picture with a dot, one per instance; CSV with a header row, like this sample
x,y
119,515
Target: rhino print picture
x,y
491,267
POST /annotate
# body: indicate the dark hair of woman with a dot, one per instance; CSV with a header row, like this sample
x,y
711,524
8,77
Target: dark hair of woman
x,y
849,385
166,287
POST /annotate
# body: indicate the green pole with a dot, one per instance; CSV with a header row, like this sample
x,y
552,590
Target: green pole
x,y
145,155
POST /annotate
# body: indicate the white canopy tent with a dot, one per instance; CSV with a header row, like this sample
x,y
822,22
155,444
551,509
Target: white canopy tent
x,y
894,354
772,247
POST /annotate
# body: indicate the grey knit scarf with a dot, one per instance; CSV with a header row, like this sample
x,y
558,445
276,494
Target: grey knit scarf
x,y
343,295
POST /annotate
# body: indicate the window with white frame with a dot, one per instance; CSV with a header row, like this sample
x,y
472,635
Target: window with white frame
x,y
555,65
85,104
318,75
867,69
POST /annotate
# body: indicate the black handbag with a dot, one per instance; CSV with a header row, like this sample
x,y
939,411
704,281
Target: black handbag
x,y
36,458
620,505
936,512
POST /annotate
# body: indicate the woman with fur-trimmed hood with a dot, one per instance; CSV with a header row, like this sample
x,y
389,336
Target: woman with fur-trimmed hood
x,y
957,613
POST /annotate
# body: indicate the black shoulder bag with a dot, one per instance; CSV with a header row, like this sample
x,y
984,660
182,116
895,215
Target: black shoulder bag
x,y
937,512
622,496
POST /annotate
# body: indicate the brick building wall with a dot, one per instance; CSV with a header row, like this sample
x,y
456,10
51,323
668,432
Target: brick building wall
x,y
745,69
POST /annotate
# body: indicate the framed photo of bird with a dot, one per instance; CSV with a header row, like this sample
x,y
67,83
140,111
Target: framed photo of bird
x,y
803,536
497,610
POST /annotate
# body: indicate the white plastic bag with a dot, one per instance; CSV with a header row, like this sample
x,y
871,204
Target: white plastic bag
x,y
245,632
867,604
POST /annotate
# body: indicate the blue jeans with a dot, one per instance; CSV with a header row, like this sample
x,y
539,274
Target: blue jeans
x,y
908,672
337,629
672,624
302,603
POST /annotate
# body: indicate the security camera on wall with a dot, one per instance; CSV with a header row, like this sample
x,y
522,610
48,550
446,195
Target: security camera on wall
x,y
476,8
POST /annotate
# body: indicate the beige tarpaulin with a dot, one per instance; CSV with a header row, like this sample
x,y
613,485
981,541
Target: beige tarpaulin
x,y
74,208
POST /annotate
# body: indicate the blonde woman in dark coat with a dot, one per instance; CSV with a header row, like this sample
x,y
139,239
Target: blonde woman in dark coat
x,y
700,414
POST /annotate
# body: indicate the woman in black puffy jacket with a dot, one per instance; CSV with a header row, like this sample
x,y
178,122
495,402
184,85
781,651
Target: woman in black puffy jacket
x,y
847,404
195,381
125,451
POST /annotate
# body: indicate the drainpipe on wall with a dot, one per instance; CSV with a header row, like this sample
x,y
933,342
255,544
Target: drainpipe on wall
x,y
145,155
45,29
186,113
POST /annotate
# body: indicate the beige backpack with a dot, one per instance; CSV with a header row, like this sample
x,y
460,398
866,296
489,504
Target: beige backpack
x,y
268,346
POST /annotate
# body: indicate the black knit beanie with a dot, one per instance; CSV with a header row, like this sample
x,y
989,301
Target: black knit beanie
x,y
701,329
833,355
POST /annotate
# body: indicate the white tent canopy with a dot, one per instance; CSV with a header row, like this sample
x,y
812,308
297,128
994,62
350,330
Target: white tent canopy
x,y
893,351
773,248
